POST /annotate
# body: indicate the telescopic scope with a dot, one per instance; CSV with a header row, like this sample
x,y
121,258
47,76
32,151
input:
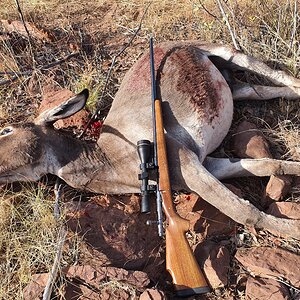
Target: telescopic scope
x,y
144,151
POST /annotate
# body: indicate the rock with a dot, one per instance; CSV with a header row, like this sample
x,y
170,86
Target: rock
x,y
278,187
249,142
113,292
290,210
215,260
108,291
34,290
79,291
52,96
82,280
152,294
93,276
117,235
264,261
204,218
10,26
262,288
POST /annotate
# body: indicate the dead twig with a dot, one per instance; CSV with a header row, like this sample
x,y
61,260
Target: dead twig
x,y
53,274
292,40
98,107
29,72
60,243
14,78
208,12
231,31
57,192
30,42
58,62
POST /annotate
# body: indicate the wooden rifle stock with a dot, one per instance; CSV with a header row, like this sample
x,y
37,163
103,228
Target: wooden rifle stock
x,y
180,261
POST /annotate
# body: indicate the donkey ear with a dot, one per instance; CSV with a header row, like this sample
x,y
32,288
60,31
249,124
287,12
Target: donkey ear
x,y
64,110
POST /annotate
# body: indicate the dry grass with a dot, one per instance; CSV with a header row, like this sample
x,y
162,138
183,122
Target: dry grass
x,y
286,136
27,239
97,29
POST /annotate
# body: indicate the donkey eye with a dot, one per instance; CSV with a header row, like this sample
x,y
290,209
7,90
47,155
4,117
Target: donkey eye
x,y
6,131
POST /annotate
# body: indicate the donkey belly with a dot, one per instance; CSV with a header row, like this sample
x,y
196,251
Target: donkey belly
x,y
197,102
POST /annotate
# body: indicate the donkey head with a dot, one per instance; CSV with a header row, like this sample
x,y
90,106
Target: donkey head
x,y
27,150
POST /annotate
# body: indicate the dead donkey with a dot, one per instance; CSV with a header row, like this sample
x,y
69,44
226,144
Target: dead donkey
x,y
197,105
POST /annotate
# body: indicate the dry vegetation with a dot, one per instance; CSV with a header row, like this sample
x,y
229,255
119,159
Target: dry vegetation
x,y
28,234
94,31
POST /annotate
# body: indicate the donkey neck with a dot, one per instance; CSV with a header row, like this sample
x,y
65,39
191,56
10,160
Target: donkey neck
x,y
91,166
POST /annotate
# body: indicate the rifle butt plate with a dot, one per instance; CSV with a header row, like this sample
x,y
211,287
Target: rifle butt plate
x,y
192,291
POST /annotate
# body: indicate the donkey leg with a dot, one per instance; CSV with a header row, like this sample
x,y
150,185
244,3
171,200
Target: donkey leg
x,y
242,61
199,180
259,92
223,168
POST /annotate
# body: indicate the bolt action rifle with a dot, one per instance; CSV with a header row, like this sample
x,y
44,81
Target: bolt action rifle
x,y
180,261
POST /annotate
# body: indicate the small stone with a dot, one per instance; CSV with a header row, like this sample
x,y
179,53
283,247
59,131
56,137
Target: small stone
x,y
249,142
265,261
113,292
79,291
215,260
204,218
289,210
92,276
117,237
152,294
75,290
34,290
262,288
278,187
24,29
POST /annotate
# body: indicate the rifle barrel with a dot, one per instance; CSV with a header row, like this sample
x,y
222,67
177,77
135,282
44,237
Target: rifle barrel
x,y
154,97
154,94
152,69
